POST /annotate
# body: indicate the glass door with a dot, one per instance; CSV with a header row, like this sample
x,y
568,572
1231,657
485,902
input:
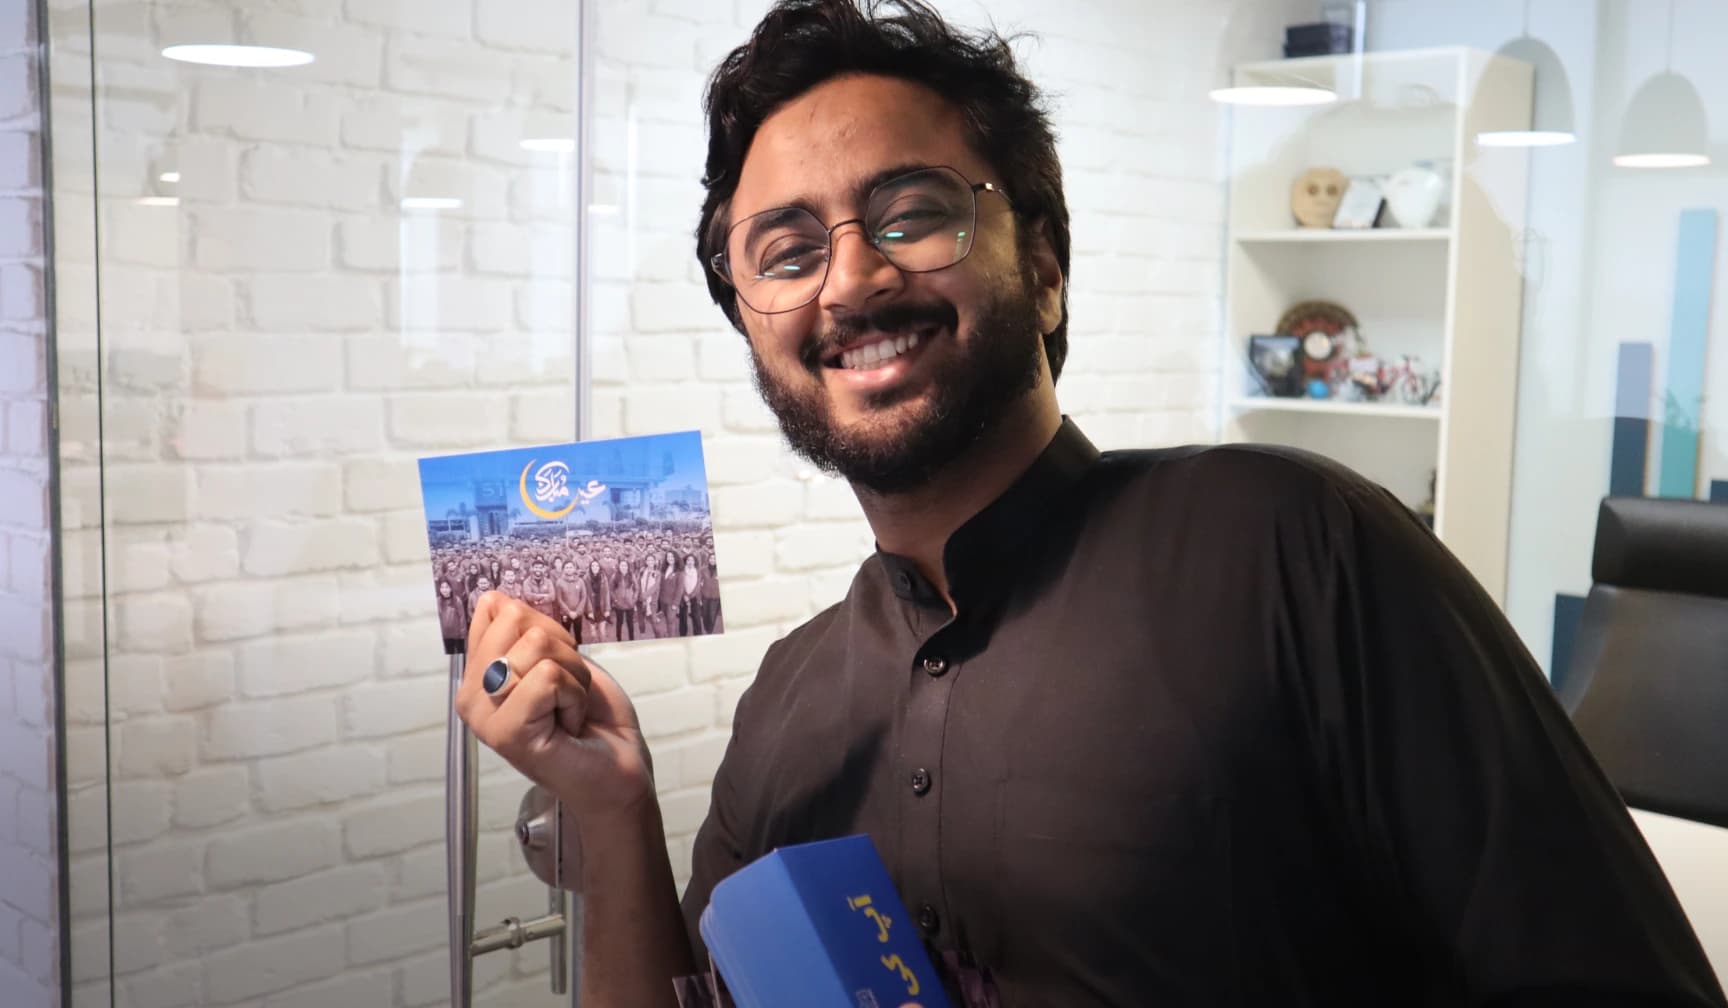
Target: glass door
x,y
300,246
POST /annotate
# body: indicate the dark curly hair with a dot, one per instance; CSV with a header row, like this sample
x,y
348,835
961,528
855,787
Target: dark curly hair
x,y
803,43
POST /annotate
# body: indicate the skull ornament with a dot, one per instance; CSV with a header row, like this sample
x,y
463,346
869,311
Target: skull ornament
x,y
1315,195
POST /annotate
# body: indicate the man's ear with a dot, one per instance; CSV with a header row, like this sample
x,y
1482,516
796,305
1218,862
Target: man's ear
x,y
1047,279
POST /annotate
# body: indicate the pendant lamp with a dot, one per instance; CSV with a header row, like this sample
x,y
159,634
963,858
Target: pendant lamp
x,y
1551,117
1664,125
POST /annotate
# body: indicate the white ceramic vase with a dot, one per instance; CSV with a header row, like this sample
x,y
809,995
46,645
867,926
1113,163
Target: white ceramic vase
x,y
1414,195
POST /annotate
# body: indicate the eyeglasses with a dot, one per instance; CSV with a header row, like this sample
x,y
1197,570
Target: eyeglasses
x,y
922,221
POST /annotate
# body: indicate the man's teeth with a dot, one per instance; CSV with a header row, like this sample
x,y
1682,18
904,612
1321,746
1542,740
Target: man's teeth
x,y
873,354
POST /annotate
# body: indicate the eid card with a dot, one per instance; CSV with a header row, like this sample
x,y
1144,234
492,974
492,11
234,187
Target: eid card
x,y
613,539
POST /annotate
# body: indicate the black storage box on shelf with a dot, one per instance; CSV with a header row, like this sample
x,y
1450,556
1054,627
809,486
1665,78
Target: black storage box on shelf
x,y
1322,38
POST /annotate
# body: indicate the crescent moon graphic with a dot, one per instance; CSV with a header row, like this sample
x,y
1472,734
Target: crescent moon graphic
x,y
542,512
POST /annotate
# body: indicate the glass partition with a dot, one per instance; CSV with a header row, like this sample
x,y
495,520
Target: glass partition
x,y
279,286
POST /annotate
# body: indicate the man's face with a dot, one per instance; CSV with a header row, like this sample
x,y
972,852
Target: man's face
x,y
891,424
539,570
510,576
483,583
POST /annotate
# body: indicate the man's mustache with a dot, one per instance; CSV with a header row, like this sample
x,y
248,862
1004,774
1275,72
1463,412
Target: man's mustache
x,y
851,328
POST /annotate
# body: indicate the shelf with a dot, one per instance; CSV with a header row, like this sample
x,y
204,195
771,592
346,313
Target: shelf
x,y
1258,404
1380,58
1305,236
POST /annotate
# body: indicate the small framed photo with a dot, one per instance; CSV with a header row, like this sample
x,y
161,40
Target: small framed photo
x,y
1275,365
1361,205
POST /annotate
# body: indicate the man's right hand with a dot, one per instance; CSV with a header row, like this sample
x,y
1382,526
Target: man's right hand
x,y
559,719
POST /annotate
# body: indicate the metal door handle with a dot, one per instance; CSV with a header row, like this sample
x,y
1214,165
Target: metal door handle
x,y
539,829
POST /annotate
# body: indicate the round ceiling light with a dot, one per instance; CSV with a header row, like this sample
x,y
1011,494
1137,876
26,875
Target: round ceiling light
x,y
431,203
1275,96
1526,138
1675,160
210,54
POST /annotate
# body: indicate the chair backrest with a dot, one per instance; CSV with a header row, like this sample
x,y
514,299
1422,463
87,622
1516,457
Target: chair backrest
x,y
1648,683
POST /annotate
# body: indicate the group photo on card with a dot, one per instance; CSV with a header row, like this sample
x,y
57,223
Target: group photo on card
x,y
613,539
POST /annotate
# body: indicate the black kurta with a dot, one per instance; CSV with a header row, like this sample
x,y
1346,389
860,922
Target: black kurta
x,y
1213,726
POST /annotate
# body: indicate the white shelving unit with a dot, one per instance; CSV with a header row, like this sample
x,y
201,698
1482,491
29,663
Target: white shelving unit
x,y
1249,404
1450,294
1306,236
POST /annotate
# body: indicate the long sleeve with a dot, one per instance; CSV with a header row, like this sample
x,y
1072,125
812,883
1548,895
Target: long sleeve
x,y
1497,839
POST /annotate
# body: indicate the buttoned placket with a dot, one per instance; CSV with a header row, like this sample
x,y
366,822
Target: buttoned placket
x,y
931,673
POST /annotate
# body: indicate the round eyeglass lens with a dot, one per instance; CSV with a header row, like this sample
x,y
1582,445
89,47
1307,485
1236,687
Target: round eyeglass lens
x,y
778,258
921,221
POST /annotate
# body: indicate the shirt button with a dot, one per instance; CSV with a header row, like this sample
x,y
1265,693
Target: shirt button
x,y
920,781
935,666
929,920
903,581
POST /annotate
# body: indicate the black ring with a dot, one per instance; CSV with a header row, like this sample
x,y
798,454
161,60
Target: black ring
x,y
495,676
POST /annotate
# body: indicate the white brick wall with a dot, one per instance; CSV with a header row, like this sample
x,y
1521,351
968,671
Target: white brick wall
x,y
29,878
281,346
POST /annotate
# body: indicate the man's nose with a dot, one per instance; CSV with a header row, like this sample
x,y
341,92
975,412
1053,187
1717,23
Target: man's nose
x,y
857,270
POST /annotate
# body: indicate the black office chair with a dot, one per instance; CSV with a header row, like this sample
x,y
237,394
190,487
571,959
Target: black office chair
x,y
1648,682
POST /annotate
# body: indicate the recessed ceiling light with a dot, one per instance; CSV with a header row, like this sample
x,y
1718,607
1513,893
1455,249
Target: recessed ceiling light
x,y
168,176
238,55
158,201
431,203
1278,95
556,145
1525,138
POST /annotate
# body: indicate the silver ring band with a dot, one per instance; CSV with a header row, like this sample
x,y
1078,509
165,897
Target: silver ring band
x,y
495,676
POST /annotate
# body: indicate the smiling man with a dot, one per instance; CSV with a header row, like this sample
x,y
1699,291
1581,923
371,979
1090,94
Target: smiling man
x,y
886,363
1193,726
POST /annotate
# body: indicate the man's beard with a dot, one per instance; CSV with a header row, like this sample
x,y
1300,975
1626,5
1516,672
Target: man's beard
x,y
967,393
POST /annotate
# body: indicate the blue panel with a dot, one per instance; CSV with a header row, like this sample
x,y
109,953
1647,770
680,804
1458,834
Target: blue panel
x,y
1568,613
1719,491
1629,460
1694,263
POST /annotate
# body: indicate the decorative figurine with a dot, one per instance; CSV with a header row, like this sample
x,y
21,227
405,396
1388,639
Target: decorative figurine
x,y
1329,338
1413,196
1315,195
1365,378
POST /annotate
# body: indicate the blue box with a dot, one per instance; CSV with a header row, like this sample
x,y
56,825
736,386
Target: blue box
x,y
817,925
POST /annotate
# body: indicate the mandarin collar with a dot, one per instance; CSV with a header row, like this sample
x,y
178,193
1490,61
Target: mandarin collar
x,y
980,550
